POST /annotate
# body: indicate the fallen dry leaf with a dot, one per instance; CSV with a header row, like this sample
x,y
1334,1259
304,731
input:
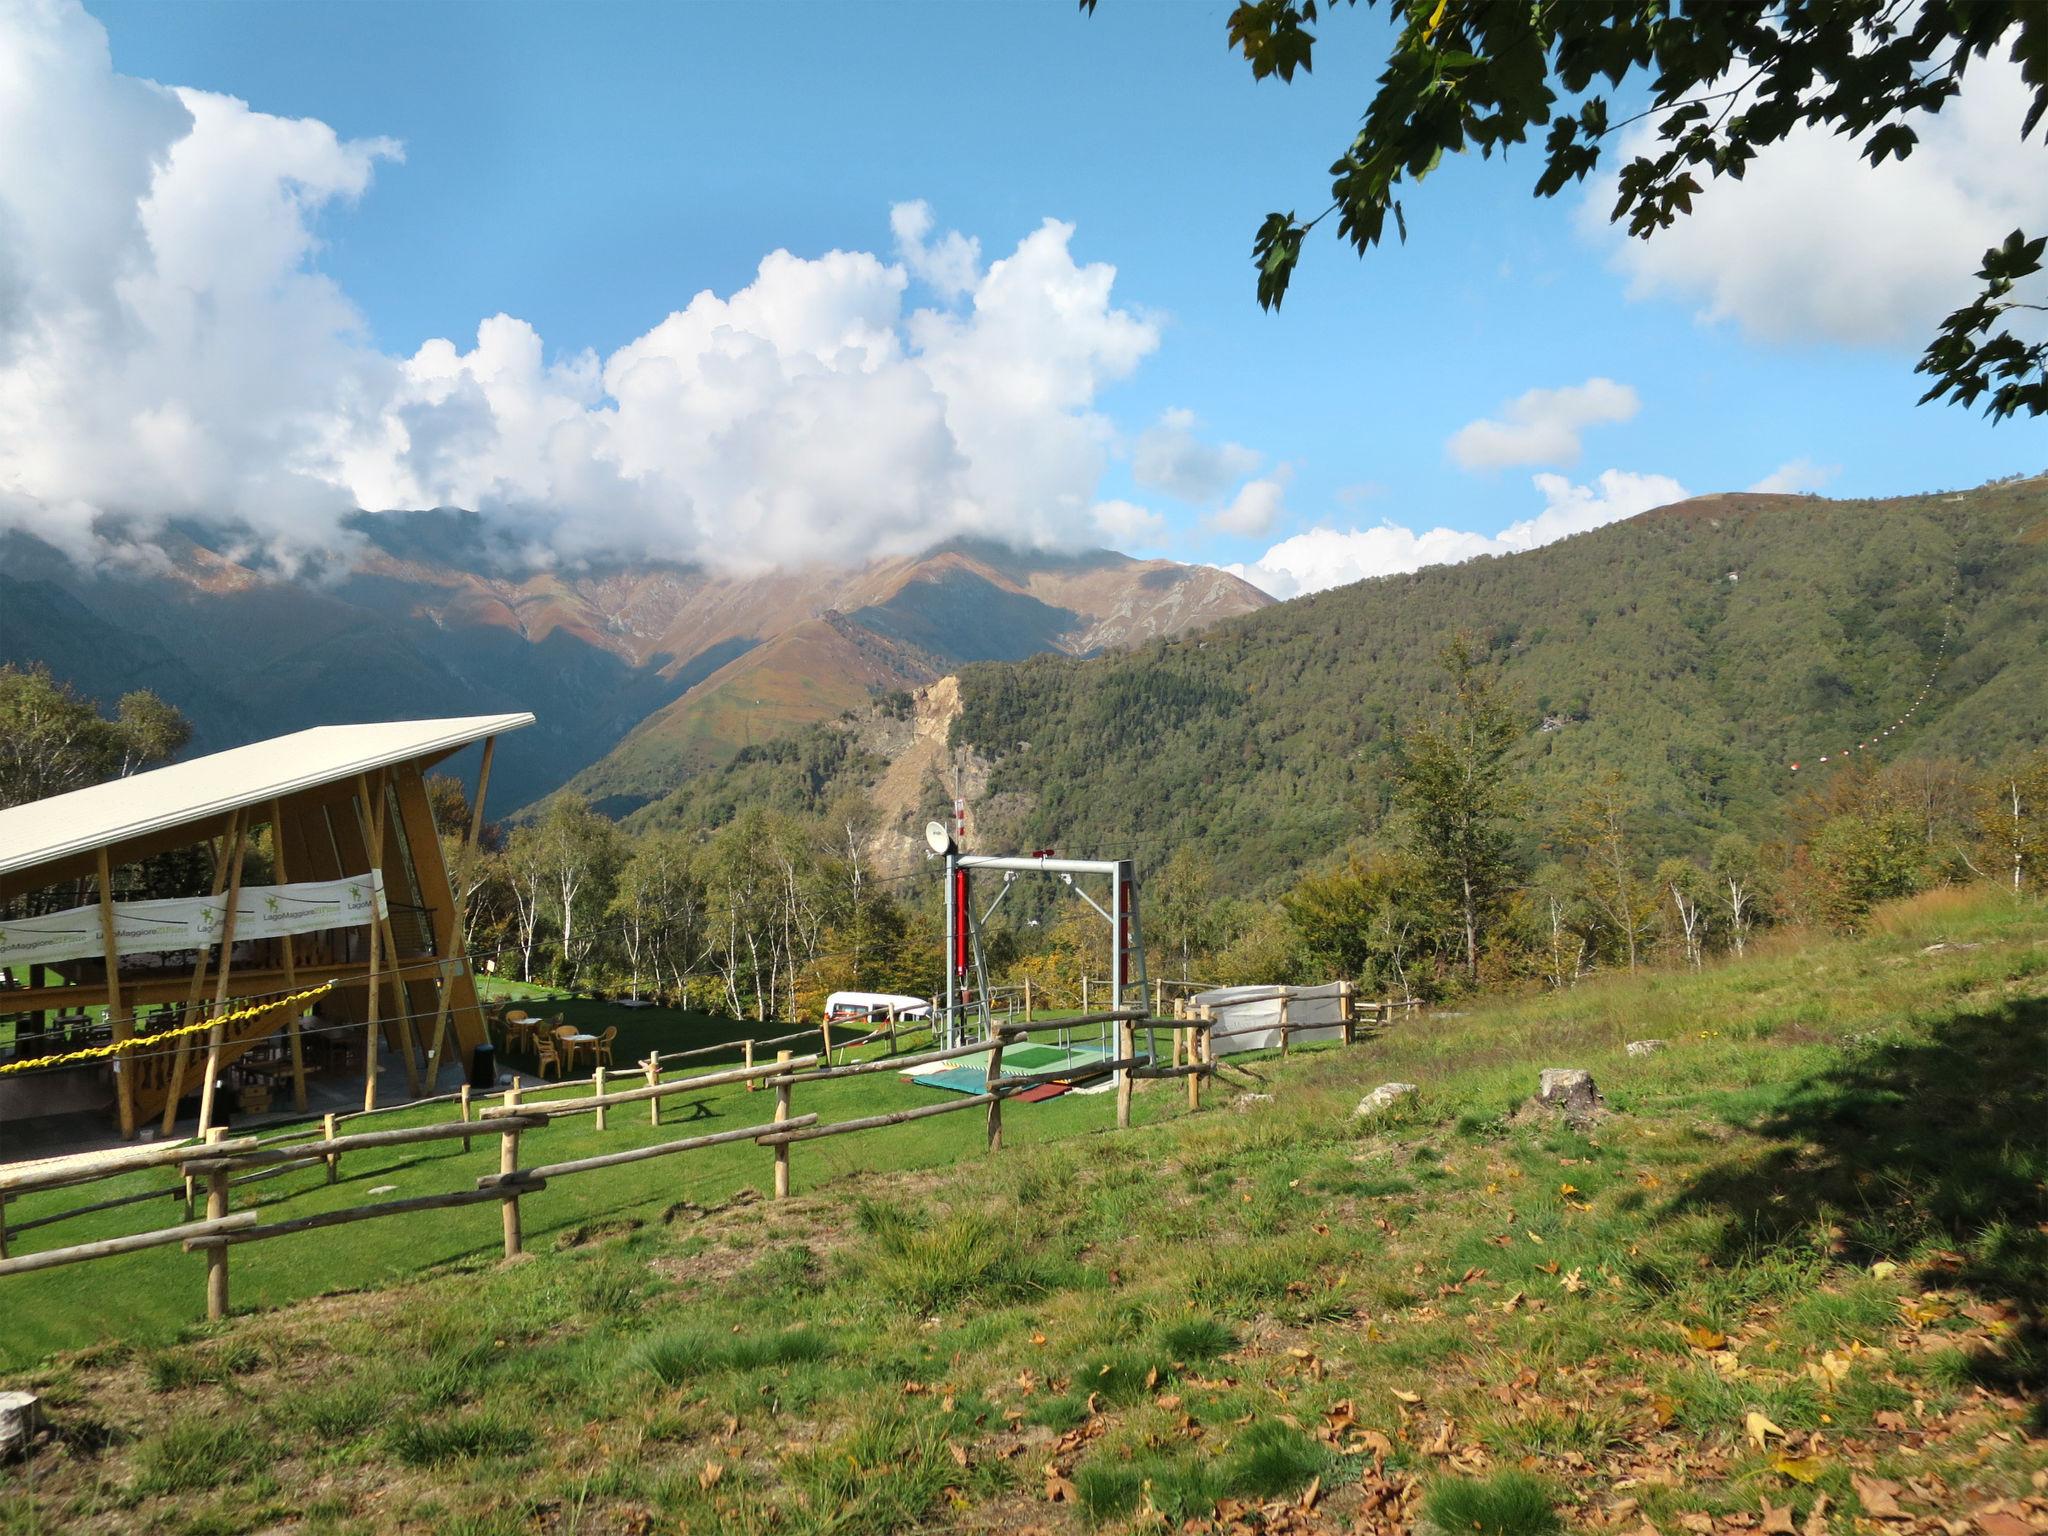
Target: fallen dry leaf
x,y
1777,1520
709,1474
1804,1469
1057,1488
1877,1496
1760,1429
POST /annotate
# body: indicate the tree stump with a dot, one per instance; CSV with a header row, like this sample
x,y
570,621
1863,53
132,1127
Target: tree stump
x,y
1571,1092
21,1415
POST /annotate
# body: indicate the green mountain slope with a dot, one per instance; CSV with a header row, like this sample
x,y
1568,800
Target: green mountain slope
x,y
1698,650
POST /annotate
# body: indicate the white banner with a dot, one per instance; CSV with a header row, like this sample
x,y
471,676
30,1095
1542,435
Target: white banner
x,y
186,922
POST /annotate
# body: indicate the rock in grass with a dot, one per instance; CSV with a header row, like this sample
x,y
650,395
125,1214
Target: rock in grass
x,y
1570,1091
1247,1101
1383,1098
21,1415
1646,1047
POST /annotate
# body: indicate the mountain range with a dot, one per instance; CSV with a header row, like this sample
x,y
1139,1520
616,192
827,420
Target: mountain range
x,y
639,676
1699,650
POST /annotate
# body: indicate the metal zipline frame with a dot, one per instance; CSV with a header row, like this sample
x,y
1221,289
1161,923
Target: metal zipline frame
x,y
963,932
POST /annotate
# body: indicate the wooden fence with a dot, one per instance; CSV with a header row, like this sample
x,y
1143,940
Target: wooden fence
x,y
216,1166
219,1164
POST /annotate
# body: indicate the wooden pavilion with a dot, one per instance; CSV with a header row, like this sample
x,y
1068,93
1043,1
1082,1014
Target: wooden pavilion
x,y
359,896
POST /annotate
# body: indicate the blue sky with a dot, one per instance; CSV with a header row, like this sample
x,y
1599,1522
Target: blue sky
x,y
587,169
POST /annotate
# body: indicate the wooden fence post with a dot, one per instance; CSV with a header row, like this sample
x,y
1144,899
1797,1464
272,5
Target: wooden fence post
x,y
753,1083
1027,1000
597,1092
333,1158
1344,1012
1126,1046
508,1162
465,1114
653,1066
1286,1034
3,1226
995,1103
782,1098
217,1255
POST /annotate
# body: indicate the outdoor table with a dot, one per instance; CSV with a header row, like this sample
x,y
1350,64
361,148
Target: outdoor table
x,y
581,1043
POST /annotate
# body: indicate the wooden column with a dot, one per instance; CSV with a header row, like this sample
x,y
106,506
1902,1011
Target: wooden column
x,y
456,1005
1126,1047
782,1113
120,1021
995,1104
464,1094
282,869
217,1036
333,1158
1027,1000
217,1254
374,815
653,1068
508,1162
391,865
597,1092
177,1088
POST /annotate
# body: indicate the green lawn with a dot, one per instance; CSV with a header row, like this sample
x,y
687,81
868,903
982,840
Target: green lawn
x,y
1797,1273
160,1290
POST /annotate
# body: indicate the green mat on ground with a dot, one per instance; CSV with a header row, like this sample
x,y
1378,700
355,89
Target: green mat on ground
x,y
1030,1056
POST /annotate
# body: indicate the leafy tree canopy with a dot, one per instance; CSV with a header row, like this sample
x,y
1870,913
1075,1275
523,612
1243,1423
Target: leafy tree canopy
x,y
1724,82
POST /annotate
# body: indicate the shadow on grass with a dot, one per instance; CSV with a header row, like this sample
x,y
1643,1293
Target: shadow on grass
x,y
1936,1146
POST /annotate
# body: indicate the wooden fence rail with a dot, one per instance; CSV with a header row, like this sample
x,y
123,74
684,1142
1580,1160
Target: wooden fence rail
x,y
222,1164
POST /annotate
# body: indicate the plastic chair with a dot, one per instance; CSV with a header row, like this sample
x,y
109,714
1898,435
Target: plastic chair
x,y
545,1056
602,1051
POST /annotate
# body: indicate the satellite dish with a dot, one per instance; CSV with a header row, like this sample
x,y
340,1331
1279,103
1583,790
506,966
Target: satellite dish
x,y
937,838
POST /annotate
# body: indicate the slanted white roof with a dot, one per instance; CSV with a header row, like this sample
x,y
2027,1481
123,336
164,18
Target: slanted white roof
x,y
46,830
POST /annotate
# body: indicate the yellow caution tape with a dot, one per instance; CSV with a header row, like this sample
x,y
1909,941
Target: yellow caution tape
x,y
95,1052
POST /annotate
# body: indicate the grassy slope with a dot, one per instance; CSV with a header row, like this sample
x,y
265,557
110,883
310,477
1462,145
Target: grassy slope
x,y
1822,1204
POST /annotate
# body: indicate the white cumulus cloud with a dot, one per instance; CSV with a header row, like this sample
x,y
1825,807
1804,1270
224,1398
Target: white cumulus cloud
x,y
1815,243
1541,426
169,346
1257,506
1171,456
1330,557
1797,475
1126,525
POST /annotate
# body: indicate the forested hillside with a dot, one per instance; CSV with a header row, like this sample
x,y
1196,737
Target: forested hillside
x,y
1697,651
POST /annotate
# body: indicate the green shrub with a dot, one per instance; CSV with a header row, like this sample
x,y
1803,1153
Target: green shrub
x,y
197,1453
1507,1504
1198,1338
687,1354
428,1441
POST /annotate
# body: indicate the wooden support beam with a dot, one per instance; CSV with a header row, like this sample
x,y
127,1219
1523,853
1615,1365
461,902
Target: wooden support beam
x,y
216,1036
373,836
282,866
121,1021
177,1088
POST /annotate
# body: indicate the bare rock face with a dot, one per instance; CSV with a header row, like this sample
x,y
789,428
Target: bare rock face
x,y
1646,1047
1383,1098
1571,1092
